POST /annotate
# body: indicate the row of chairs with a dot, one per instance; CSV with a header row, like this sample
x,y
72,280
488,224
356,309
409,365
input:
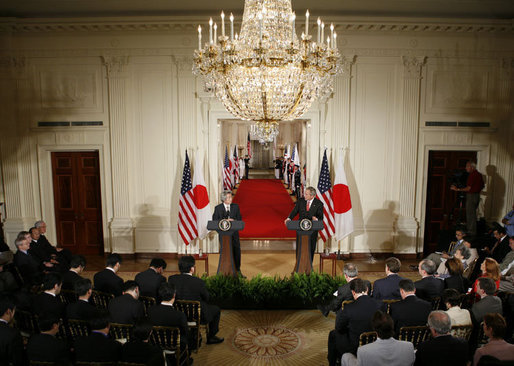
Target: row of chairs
x,y
436,302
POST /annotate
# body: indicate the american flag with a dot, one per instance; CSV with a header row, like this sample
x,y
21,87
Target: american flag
x,y
236,165
227,182
186,211
325,196
249,146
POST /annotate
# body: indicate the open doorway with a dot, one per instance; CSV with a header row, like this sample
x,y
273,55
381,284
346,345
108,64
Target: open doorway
x,y
445,209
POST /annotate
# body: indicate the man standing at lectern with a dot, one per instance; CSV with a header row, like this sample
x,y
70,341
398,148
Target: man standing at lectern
x,y
230,211
310,208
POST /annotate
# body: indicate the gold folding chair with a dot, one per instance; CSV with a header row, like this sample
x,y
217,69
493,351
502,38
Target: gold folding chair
x,y
192,309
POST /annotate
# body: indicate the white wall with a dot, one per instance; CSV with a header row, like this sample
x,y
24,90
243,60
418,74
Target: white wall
x,y
135,76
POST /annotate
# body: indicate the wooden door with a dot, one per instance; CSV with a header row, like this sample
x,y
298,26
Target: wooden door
x,y
77,201
445,208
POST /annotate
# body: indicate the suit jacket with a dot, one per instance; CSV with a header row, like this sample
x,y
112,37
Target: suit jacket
x,y
11,345
165,315
388,352
488,304
108,281
501,250
28,266
458,283
80,310
47,304
47,348
97,347
39,250
429,287
220,213
69,279
300,209
137,351
125,309
355,318
410,311
149,282
442,351
344,293
387,288
192,288
509,257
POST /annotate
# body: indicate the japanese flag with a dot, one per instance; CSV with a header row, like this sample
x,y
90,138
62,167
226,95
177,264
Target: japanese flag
x,y
342,203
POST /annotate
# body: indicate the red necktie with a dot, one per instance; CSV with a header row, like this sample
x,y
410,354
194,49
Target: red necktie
x,y
308,205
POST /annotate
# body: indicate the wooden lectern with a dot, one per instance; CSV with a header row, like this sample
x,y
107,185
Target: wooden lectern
x,y
225,230
304,230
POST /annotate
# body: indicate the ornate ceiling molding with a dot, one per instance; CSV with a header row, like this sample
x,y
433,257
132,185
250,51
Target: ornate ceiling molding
x,y
188,24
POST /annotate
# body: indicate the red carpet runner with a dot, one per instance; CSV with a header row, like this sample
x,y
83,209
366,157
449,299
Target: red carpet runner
x,y
264,205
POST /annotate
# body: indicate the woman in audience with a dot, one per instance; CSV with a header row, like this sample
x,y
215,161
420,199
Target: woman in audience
x,y
456,280
451,298
494,328
491,269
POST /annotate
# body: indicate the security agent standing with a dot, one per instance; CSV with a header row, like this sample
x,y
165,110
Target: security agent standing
x,y
310,208
230,211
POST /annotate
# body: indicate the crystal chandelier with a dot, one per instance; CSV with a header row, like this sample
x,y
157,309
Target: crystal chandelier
x,y
265,132
266,73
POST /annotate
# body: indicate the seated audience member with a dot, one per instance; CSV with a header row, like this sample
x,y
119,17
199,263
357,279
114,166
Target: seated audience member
x,y
508,221
11,342
107,280
500,249
150,280
48,301
77,266
45,254
385,350
508,261
494,328
456,280
63,255
428,287
164,314
451,299
27,265
411,310
351,321
462,254
127,309
454,245
507,282
344,293
98,346
443,349
45,346
489,269
189,287
8,283
387,288
488,302
139,350
82,309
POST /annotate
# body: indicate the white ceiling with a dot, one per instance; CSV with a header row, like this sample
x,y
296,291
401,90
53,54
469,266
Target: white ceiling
x,y
483,9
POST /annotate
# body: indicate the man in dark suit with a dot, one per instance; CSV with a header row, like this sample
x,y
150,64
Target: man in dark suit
x,y
98,346
139,350
64,256
501,248
150,280
488,303
28,266
189,287
387,288
48,301
351,321
11,342
230,211
443,348
82,309
77,266
344,293
429,287
107,280
310,208
410,310
127,309
45,346
165,314
45,253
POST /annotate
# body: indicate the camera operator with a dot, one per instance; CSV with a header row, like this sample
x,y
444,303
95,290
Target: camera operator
x,y
474,186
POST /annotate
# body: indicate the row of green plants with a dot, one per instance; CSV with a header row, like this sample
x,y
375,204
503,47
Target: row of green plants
x,y
299,291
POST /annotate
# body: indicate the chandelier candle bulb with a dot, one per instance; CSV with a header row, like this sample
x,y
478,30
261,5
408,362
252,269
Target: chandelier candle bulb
x,y
332,34
328,42
322,32
210,30
319,29
293,18
223,24
199,37
334,42
260,26
231,26
215,33
306,23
